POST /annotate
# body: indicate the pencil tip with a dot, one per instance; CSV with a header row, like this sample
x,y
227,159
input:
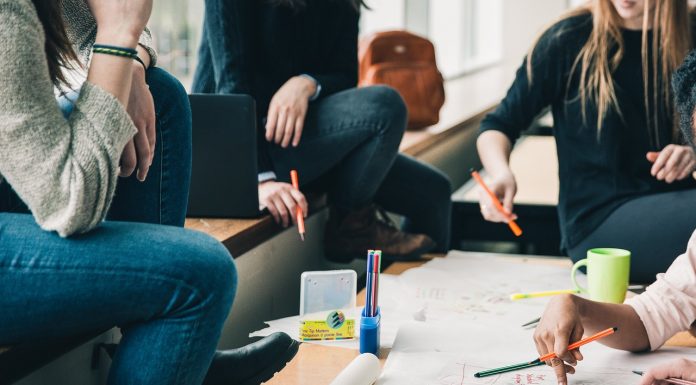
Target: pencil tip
x,y
302,237
477,375
615,328
471,170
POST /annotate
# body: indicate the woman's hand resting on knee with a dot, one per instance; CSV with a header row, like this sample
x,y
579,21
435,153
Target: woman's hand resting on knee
x,y
673,163
287,112
282,200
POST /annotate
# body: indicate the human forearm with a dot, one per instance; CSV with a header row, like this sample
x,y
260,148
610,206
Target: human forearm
x,y
113,73
597,316
494,151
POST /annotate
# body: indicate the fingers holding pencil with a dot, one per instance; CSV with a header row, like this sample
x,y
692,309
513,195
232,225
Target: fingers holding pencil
x,y
504,188
546,349
301,209
492,208
489,211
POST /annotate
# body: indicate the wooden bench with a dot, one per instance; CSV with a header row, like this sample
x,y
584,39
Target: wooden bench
x,y
535,166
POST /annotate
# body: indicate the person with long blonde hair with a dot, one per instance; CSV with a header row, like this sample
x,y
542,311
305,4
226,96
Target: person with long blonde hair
x,y
604,71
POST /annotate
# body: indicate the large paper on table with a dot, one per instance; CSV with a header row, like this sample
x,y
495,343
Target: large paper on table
x,y
439,354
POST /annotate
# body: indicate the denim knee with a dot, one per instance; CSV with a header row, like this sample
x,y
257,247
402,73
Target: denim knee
x,y
170,96
387,104
210,268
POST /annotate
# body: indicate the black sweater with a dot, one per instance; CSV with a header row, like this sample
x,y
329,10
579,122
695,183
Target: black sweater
x,y
597,173
254,47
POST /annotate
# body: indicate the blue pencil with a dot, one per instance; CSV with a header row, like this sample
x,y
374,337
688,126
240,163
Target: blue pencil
x,y
368,284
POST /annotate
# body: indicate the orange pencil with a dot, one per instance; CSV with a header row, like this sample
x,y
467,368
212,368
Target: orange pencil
x,y
300,218
580,343
496,202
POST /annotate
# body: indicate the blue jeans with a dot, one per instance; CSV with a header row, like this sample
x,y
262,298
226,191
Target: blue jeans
x,y
350,144
169,289
163,197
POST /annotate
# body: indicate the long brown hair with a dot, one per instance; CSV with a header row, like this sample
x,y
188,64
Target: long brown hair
x,y
604,49
59,51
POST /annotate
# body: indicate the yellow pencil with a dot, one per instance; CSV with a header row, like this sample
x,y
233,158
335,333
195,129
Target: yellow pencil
x,y
518,296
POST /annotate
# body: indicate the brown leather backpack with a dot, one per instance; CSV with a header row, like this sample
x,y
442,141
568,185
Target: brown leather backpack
x,y
407,63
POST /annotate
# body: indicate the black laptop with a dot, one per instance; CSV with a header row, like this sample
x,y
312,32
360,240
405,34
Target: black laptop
x,y
224,180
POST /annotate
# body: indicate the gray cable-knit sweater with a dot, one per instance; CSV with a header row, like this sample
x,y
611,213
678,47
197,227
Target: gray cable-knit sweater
x,y
64,170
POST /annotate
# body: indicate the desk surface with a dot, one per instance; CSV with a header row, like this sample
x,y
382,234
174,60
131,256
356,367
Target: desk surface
x,y
319,365
534,163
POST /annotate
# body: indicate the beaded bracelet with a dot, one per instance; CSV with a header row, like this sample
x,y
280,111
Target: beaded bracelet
x,y
115,51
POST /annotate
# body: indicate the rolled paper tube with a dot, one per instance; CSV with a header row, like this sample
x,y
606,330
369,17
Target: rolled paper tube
x,y
363,370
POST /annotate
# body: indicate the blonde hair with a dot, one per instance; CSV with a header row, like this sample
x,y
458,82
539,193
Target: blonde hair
x,y
604,49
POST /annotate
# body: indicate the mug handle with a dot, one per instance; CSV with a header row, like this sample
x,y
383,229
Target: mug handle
x,y
576,266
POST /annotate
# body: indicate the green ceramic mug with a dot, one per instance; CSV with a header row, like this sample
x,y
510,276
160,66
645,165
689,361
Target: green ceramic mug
x,y
607,274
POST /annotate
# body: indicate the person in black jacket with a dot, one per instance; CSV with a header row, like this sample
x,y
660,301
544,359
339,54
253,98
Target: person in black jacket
x,y
625,172
298,59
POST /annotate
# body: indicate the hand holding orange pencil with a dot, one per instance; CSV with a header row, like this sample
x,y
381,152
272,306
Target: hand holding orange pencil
x,y
496,202
298,211
584,341
545,357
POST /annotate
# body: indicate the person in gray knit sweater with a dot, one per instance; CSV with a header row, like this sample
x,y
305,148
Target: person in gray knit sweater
x,y
65,271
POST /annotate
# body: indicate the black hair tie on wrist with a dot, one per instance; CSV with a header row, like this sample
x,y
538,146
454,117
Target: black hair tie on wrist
x,y
139,60
115,51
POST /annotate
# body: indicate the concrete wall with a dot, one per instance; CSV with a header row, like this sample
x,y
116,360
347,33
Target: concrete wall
x,y
523,21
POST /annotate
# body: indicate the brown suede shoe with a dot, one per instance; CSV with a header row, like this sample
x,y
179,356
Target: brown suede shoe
x,y
361,230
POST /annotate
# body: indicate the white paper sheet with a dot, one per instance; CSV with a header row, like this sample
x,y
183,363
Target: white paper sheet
x,y
477,287
471,325
440,354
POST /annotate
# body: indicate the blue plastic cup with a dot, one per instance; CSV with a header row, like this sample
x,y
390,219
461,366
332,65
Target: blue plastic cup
x,y
369,332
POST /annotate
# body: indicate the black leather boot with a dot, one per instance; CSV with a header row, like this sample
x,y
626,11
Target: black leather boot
x,y
252,364
350,236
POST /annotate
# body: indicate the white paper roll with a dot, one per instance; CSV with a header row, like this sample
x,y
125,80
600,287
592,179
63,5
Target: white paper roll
x,y
363,370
